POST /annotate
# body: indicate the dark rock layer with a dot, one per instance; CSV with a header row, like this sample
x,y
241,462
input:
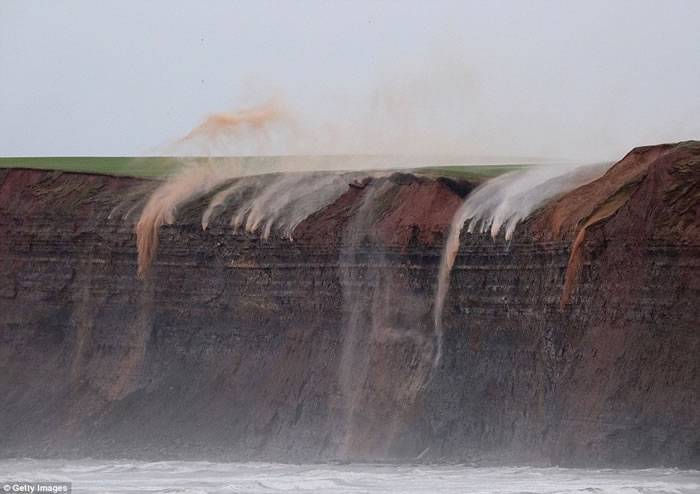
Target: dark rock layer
x,y
576,343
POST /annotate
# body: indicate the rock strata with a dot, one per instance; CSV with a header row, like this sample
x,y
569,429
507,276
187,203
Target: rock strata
x,y
574,343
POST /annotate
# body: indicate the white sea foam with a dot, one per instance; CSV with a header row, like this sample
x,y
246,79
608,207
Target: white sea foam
x,y
91,476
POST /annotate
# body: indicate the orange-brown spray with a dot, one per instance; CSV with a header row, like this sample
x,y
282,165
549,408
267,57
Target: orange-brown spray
x,y
218,125
196,180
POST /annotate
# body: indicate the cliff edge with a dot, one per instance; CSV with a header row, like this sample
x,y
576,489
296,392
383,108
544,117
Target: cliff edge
x,y
573,343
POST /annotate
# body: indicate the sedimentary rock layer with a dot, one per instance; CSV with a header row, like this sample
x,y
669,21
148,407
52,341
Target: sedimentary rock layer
x,y
574,343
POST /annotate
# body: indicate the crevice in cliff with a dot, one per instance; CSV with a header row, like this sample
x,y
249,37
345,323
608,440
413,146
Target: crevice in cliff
x,y
130,365
576,258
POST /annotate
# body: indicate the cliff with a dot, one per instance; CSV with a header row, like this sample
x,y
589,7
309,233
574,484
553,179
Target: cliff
x,y
574,343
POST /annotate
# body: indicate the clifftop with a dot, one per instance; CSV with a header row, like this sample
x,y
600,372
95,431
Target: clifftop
x,y
407,210
663,179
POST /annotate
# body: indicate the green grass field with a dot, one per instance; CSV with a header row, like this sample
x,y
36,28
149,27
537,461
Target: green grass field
x,y
163,166
113,165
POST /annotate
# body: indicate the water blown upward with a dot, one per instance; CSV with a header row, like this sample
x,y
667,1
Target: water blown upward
x,y
162,204
251,127
499,205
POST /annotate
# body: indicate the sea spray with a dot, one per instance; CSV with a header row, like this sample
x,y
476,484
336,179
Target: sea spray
x,y
221,198
291,198
354,362
313,192
269,193
257,204
275,202
272,130
387,347
161,206
498,206
249,130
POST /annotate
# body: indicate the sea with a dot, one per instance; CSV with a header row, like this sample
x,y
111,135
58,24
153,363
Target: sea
x,y
123,476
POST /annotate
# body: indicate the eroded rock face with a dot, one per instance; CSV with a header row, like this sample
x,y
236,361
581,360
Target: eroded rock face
x,y
575,343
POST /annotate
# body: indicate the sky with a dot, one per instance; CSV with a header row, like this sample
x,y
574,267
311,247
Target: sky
x,y
585,80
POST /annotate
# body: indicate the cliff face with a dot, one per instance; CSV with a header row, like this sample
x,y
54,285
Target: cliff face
x,y
574,343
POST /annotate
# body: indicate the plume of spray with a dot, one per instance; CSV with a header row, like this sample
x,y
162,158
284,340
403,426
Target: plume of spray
x,y
164,201
224,123
383,320
265,198
419,107
254,126
242,189
424,110
196,179
498,206
276,201
291,199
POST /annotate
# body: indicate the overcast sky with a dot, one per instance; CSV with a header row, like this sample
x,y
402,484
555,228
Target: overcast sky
x,y
583,80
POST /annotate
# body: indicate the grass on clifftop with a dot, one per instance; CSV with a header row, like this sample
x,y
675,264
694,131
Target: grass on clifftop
x,y
112,165
163,166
